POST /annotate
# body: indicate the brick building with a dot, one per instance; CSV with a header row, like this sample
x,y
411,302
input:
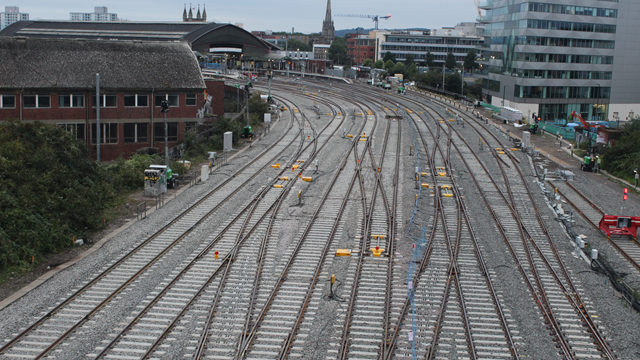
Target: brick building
x,y
361,48
54,81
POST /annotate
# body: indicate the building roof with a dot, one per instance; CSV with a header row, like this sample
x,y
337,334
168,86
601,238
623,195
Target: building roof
x,y
61,63
118,30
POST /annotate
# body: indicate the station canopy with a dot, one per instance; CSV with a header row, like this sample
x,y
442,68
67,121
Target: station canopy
x,y
205,38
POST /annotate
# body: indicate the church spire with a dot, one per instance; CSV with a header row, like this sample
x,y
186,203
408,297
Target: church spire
x,y
184,13
327,17
328,31
204,13
198,17
190,13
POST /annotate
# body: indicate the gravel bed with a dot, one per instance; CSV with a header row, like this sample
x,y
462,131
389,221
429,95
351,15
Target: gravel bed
x,y
27,309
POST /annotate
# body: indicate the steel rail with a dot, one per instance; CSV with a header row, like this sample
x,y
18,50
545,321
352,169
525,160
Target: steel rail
x,y
576,303
248,337
87,316
547,309
203,337
540,299
389,342
455,277
597,227
288,343
368,214
250,207
260,261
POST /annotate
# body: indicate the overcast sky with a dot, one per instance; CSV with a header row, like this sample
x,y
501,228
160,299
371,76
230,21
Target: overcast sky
x,y
278,15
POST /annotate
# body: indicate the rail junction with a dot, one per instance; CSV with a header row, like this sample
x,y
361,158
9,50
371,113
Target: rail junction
x,y
363,225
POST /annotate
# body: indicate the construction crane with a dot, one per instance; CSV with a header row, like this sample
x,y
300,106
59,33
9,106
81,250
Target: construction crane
x,y
477,7
372,17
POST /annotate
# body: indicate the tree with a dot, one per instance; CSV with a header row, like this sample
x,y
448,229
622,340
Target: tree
x,y
389,56
409,60
470,60
50,191
430,78
453,82
367,63
379,64
412,71
429,59
450,61
624,155
389,64
338,50
398,68
293,44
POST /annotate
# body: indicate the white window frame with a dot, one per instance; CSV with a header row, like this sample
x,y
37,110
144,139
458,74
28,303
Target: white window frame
x,y
135,134
71,101
137,96
186,99
104,101
38,102
166,97
2,101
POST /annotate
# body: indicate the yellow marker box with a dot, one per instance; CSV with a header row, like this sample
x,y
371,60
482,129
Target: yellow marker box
x,y
343,252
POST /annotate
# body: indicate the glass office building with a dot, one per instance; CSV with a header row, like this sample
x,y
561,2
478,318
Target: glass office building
x,y
553,57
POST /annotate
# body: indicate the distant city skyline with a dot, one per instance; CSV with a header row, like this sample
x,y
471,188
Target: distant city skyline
x,y
279,15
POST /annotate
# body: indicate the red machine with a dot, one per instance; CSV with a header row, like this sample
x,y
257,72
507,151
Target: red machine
x,y
585,124
620,225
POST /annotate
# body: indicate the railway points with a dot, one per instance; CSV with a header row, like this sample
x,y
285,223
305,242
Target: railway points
x,y
383,234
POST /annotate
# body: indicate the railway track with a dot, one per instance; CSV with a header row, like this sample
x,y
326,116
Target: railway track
x,y
260,285
627,247
556,288
46,333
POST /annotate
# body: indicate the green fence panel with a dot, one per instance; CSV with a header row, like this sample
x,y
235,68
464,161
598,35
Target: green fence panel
x,y
566,133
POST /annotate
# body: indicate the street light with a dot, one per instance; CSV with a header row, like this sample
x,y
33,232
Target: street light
x,y
504,88
598,104
165,109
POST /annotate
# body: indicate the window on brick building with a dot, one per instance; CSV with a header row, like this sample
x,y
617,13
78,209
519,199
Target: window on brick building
x,y
190,126
108,133
136,100
172,99
7,101
158,131
136,133
105,100
74,129
37,101
191,100
70,100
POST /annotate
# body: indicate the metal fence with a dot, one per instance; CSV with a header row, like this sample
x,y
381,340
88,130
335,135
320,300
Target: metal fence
x,y
566,133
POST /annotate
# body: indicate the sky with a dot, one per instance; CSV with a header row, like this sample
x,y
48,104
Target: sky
x,y
304,16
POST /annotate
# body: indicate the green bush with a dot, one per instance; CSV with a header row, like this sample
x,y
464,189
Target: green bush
x,y
624,156
50,191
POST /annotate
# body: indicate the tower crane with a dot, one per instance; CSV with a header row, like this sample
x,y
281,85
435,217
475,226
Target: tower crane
x,y
372,17
477,7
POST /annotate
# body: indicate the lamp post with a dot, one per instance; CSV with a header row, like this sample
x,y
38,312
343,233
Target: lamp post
x,y
165,109
598,104
98,116
462,91
504,88
270,75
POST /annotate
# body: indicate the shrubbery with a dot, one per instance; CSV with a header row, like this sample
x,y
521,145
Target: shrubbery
x,y
624,156
50,191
